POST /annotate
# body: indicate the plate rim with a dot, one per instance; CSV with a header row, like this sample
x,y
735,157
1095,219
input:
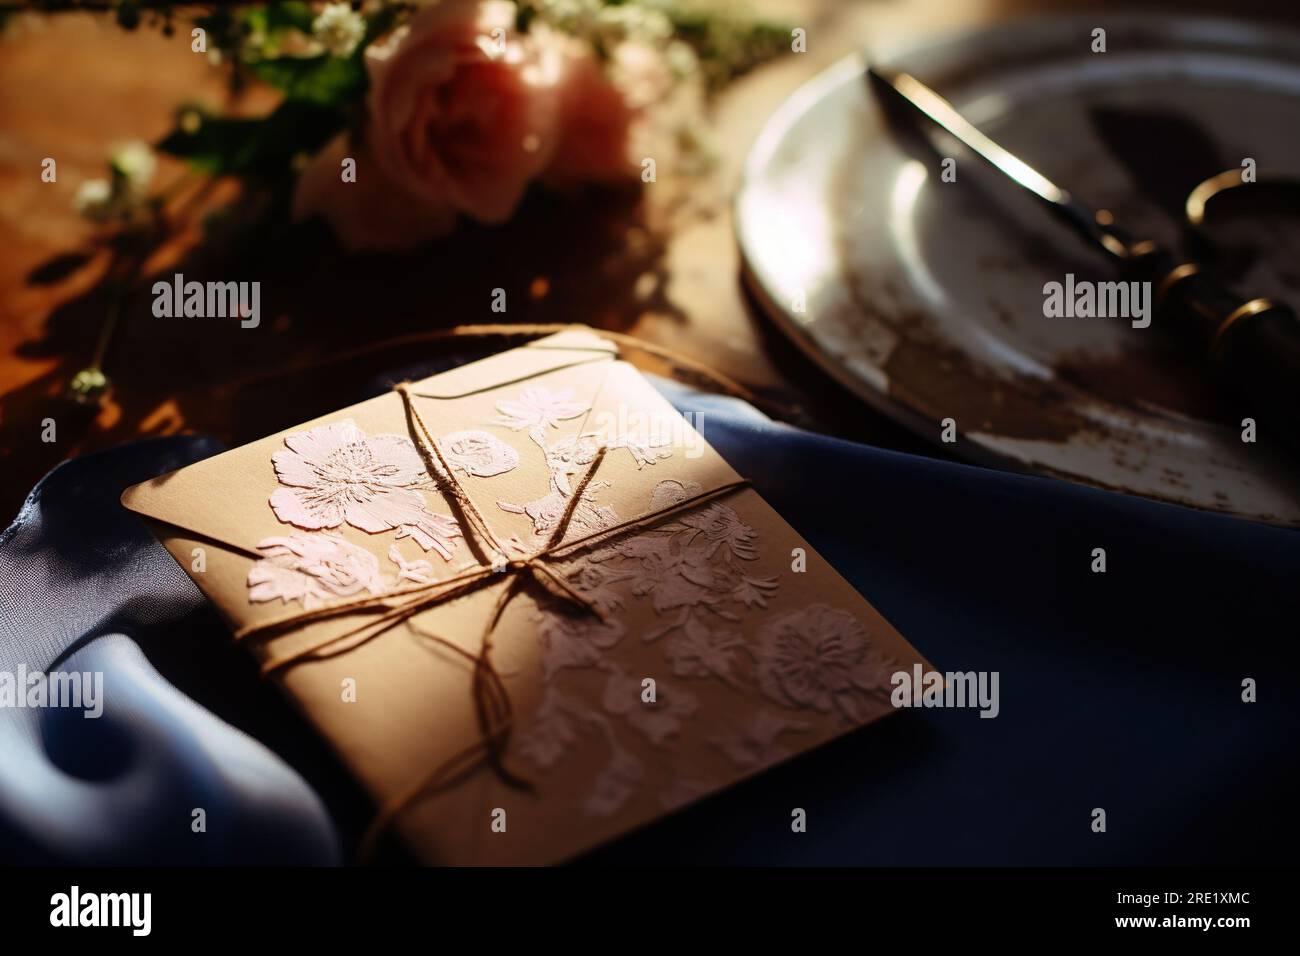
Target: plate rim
x,y
1253,34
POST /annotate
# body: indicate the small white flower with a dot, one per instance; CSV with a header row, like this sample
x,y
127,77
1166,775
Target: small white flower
x,y
313,570
571,16
635,23
135,163
681,59
254,45
539,408
339,28
94,199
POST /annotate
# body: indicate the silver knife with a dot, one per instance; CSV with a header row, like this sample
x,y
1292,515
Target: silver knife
x,y
1253,342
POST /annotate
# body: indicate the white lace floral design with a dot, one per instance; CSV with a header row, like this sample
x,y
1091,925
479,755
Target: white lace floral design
x,y
559,723
693,567
545,512
539,410
478,453
335,474
755,744
701,572
410,572
312,569
570,641
822,659
699,651
696,570
562,722
659,724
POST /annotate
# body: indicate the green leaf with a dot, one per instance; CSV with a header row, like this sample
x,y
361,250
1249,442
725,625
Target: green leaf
x,y
324,79
275,19
289,15
263,147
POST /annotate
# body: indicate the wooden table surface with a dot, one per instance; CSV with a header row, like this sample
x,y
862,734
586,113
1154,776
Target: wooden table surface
x,y
638,262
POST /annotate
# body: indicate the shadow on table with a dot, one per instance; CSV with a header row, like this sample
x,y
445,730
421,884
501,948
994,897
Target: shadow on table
x,y
325,316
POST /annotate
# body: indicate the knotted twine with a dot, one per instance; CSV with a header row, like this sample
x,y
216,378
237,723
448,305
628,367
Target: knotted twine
x,y
492,704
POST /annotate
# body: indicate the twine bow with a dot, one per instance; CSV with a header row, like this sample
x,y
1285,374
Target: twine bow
x,y
491,699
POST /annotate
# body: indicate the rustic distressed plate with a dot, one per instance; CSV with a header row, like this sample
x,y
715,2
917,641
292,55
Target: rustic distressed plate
x,y
926,297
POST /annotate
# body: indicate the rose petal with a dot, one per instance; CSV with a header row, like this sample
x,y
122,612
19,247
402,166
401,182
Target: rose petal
x,y
454,119
372,214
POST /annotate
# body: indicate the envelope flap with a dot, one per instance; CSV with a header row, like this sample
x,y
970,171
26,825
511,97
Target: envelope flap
x,y
554,352
206,498
215,498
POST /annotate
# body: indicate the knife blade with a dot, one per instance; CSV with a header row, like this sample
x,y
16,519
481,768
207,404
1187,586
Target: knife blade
x,y
1253,343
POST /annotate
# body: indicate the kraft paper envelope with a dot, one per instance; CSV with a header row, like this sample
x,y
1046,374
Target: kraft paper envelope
x,y
666,660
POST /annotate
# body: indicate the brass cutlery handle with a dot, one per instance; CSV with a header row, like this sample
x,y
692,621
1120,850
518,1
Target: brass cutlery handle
x,y
1254,343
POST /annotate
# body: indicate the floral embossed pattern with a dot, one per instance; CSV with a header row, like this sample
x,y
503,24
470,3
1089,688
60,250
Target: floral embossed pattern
x,y
335,475
701,573
479,454
821,658
539,410
315,568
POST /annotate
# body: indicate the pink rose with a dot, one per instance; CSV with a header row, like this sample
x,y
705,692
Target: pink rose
x,y
461,118
372,213
599,110
464,113
462,108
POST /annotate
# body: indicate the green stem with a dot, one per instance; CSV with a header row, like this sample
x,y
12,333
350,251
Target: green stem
x,y
110,323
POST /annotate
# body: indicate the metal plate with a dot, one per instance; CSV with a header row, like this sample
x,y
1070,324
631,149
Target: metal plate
x,y
926,297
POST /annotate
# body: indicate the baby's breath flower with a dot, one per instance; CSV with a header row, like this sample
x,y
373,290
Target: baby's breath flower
x,y
681,60
135,163
94,199
572,16
255,45
339,28
635,23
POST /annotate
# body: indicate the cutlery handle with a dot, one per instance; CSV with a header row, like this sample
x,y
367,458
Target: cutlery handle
x,y
1253,343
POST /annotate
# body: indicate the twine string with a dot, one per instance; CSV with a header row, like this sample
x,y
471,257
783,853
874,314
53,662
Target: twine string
x,y
492,704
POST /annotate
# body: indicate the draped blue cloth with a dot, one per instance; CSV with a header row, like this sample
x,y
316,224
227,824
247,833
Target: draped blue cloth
x,y
1119,690
86,588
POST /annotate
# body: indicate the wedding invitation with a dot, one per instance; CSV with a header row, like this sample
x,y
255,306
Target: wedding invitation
x,y
528,605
